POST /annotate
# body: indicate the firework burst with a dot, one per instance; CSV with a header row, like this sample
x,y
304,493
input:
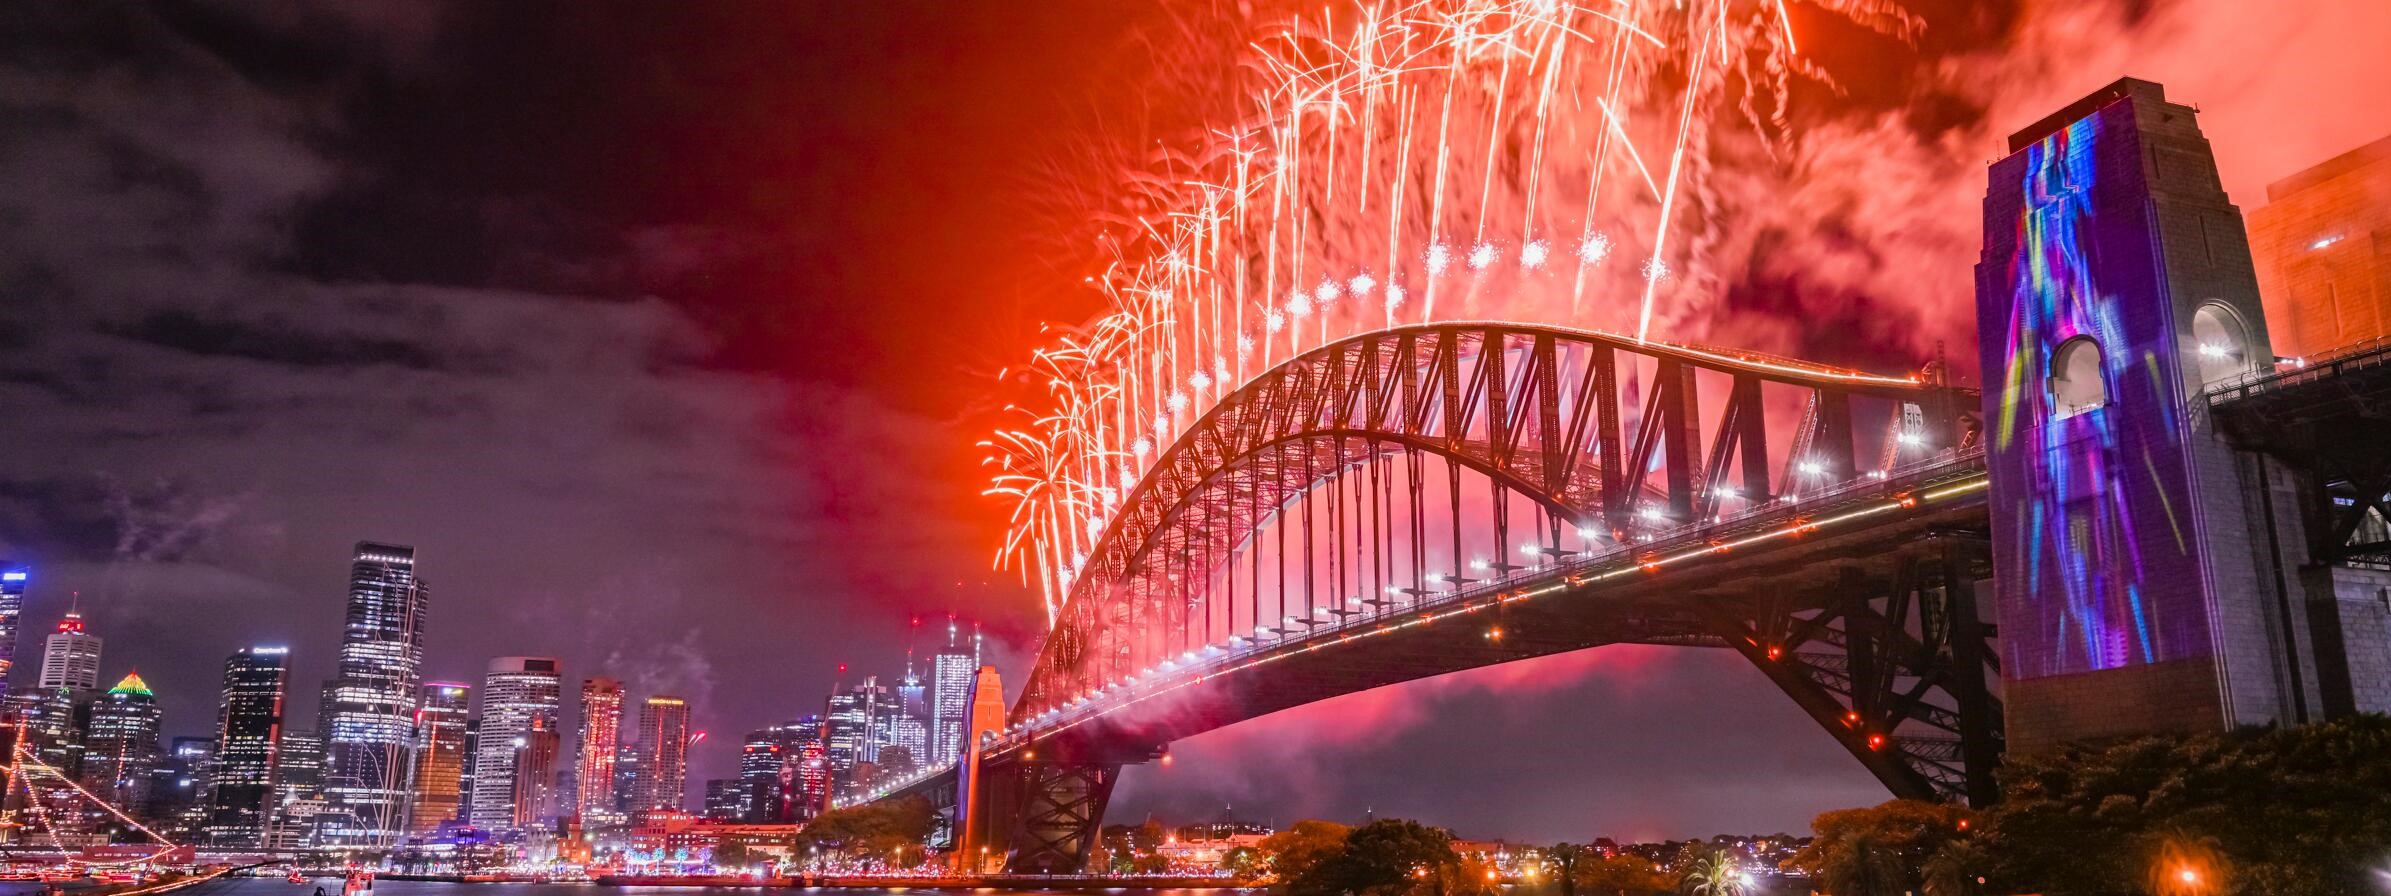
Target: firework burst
x,y
1394,164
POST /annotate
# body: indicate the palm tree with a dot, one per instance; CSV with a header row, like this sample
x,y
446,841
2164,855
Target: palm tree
x,y
1714,874
1564,859
1864,867
1955,869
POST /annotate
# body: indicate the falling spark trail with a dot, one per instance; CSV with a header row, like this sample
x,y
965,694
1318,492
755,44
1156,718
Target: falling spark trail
x,y
1314,200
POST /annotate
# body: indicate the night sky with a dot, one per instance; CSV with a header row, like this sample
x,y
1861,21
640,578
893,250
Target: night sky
x,y
664,332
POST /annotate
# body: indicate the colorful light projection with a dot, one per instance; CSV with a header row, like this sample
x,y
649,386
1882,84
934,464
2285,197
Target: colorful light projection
x,y
2099,568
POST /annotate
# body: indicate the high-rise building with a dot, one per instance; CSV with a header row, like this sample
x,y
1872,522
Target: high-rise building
x,y
952,670
536,753
663,754
248,737
437,791
726,799
517,691
473,749
2322,244
601,740
369,718
120,745
12,608
909,726
858,727
626,779
71,656
299,766
761,759
809,780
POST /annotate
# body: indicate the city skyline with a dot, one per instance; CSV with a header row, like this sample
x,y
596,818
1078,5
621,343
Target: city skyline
x,y
667,411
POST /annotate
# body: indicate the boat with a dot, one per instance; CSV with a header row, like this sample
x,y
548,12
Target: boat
x,y
360,883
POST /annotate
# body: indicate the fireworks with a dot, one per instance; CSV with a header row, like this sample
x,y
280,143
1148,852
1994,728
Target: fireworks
x,y
1401,150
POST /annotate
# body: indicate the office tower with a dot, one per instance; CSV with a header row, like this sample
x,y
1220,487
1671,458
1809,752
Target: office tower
x,y
12,609
626,778
473,749
120,745
859,726
663,754
952,670
369,715
248,737
761,759
601,740
2322,244
536,752
809,781
71,656
909,723
437,789
517,691
726,799
299,766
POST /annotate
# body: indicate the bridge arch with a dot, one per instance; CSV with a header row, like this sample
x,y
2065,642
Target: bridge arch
x,y
1501,475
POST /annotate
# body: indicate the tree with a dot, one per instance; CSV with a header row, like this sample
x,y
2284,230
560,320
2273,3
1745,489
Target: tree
x,y
1880,848
1621,875
1957,868
1863,865
736,855
2277,811
890,829
1713,874
1565,857
1383,857
1293,852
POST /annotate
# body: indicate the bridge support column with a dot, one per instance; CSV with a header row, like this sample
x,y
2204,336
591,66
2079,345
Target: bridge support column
x,y
2116,286
1043,816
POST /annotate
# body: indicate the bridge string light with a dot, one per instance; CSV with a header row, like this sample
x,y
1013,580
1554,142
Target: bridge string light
x,y
1375,150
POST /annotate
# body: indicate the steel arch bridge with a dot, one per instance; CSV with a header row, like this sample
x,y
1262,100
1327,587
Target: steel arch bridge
x,y
1428,499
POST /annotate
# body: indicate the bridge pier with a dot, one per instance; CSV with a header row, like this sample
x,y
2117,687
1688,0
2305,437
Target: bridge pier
x,y
1043,815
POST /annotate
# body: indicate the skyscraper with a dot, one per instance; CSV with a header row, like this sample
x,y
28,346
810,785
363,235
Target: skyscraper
x,y
12,607
517,691
438,786
909,724
371,702
601,739
71,656
663,754
536,752
248,733
952,670
761,759
857,728
120,745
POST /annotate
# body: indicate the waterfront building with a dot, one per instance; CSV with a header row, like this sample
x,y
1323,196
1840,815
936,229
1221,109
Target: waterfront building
x,y
601,743
517,692
368,720
437,789
952,670
120,745
663,774
248,736
71,656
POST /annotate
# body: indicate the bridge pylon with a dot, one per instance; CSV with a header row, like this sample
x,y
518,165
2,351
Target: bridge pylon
x,y
2144,583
